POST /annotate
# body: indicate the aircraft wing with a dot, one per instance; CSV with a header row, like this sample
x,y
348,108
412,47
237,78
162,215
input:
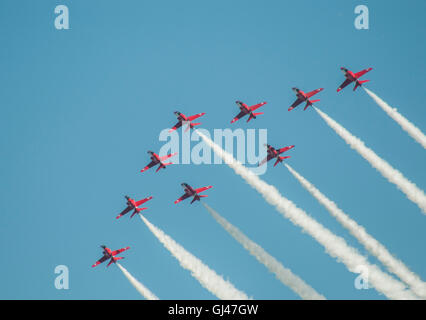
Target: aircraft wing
x,y
202,189
257,106
195,116
361,73
100,261
186,195
167,156
295,104
138,203
176,126
314,92
239,116
124,212
285,149
150,165
119,251
344,84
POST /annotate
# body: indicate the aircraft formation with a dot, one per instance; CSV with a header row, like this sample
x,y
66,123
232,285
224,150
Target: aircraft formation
x,y
245,110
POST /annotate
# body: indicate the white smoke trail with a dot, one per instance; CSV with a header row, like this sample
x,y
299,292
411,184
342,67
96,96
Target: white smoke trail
x,y
370,243
335,246
209,279
406,125
286,276
392,175
144,291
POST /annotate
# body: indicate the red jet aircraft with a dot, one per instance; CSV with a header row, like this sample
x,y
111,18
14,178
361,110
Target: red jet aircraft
x,y
155,159
189,192
182,118
108,254
274,153
245,110
353,77
302,97
133,205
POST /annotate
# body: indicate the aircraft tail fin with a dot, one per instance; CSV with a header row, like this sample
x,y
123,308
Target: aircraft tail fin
x,y
192,125
163,166
137,210
280,159
114,259
198,198
359,83
253,115
309,103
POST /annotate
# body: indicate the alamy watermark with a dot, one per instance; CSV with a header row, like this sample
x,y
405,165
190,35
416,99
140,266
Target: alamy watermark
x,y
62,18
62,281
361,21
246,146
361,281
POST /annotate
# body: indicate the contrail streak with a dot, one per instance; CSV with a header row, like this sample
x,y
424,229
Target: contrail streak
x,y
335,246
144,291
209,279
406,125
370,243
283,274
392,175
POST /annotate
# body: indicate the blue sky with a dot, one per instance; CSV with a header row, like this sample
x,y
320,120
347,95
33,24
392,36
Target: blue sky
x,y
81,107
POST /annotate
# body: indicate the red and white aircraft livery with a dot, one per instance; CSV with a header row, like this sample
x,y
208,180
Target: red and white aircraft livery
x,y
353,77
133,205
155,159
245,110
182,118
274,153
108,254
190,192
302,97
